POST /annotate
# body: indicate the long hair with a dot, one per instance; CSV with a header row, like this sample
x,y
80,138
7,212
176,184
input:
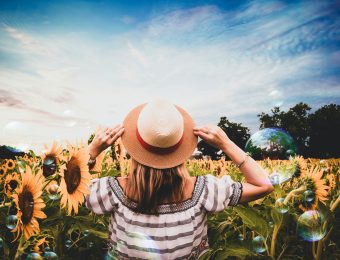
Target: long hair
x,y
149,187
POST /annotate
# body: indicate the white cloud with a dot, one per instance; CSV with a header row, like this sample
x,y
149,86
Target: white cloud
x,y
83,82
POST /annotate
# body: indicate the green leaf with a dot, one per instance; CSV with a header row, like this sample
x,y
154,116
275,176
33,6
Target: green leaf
x,y
276,216
234,250
253,219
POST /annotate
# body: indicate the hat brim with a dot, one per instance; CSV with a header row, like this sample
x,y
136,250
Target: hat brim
x,y
151,159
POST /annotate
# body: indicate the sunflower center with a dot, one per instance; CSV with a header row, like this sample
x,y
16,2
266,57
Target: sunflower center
x,y
49,165
72,176
26,205
13,184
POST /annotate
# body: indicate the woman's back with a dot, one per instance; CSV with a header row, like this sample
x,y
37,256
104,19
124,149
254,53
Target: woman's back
x,y
179,231
160,137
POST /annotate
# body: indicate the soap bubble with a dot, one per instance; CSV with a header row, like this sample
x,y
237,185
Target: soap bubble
x,y
52,190
273,143
271,224
49,255
49,166
90,244
144,241
280,176
33,256
86,233
308,195
110,255
11,221
280,206
311,226
240,237
68,243
258,244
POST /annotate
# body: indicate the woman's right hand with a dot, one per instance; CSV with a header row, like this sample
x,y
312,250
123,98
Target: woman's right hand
x,y
104,138
214,136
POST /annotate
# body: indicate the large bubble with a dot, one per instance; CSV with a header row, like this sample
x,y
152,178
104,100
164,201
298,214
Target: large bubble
x,y
33,256
312,226
273,143
50,255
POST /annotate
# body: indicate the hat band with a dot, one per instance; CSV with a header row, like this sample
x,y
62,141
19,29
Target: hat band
x,y
155,149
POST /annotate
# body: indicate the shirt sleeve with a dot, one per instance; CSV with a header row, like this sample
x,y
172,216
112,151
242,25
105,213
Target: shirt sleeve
x,y
101,198
221,192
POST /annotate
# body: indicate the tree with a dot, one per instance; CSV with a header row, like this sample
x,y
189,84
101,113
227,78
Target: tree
x,y
324,132
295,121
235,131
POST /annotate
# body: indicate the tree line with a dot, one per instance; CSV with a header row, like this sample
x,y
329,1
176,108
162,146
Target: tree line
x,y
315,134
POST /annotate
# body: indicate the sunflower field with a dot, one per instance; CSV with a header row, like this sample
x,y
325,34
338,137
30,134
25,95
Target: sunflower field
x,y
43,216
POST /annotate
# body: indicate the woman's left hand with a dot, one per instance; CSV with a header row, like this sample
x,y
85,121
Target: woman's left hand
x,y
104,138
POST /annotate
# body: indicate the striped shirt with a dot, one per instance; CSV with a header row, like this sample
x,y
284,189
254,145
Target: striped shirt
x,y
178,232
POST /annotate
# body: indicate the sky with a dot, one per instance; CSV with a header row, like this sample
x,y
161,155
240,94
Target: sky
x,y
68,67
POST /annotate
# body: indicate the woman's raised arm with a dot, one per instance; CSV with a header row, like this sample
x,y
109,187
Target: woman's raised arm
x,y
258,183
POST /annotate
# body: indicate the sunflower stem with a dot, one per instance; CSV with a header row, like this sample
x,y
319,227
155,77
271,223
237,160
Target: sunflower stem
x,y
335,204
272,247
294,193
5,205
20,248
244,231
313,250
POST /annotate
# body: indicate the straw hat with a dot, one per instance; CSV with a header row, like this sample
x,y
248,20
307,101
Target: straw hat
x,y
159,134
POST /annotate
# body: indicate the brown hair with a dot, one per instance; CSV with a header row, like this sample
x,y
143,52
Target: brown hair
x,y
149,187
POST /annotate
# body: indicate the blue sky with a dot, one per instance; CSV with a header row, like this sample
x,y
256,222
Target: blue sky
x,y
67,67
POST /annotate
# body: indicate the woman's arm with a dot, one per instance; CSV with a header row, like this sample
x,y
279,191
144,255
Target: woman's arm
x,y
258,183
103,139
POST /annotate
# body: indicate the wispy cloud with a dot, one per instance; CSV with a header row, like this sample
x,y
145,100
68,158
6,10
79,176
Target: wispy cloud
x,y
213,62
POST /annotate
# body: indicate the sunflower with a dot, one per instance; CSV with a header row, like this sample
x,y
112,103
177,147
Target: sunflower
x,y
39,244
98,165
312,179
75,179
3,170
299,164
10,164
11,183
331,181
51,159
29,203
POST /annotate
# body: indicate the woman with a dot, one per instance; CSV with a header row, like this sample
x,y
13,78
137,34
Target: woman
x,y
159,211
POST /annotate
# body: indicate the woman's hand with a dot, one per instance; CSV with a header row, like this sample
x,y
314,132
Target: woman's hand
x,y
214,136
104,138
